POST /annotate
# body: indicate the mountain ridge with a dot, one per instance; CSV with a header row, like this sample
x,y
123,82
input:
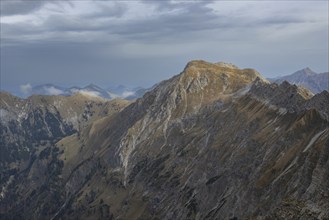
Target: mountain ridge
x,y
90,89
211,142
28,124
315,82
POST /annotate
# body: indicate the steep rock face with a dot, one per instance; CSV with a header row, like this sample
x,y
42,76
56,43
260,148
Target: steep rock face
x,y
214,142
288,97
320,102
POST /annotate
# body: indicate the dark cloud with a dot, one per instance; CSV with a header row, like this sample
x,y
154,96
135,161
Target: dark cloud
x,y
20,7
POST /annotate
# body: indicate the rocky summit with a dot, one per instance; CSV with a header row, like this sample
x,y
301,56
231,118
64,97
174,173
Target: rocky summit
x,y
213,142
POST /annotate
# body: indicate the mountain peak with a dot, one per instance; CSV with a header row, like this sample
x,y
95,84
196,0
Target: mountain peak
x,y
306,71
308,78
196,64
199,84
215,72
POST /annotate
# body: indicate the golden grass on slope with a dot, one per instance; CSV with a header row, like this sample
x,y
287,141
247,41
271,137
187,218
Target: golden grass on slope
x,y
71,147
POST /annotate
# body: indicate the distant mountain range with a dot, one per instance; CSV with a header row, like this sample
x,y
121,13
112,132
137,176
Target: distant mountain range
x,y
90,90
315,82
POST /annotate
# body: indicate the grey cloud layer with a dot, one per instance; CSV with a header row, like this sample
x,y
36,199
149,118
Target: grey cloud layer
x,y
169,20
66,37
193,16
19,7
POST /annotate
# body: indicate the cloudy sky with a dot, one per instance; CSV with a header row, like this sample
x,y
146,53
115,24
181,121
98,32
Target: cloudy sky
x,y
138,43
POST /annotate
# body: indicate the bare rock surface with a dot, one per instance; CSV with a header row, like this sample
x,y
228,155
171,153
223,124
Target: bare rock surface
x,y
214,142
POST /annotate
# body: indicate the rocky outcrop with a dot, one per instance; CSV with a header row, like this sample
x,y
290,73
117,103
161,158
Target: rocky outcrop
x,y
214,142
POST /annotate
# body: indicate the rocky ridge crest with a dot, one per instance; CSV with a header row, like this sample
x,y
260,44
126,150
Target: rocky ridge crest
x,y
212,142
